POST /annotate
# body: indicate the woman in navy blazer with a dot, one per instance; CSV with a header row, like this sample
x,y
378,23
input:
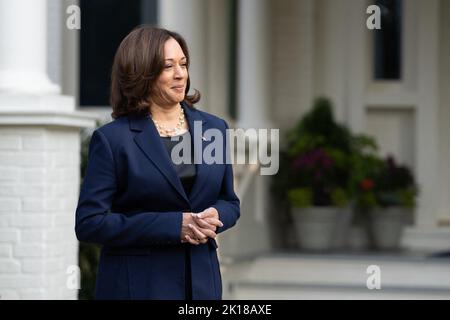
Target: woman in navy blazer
x,y
156,226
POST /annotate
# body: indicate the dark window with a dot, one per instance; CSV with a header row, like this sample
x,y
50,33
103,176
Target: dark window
x,y
104,23
388,41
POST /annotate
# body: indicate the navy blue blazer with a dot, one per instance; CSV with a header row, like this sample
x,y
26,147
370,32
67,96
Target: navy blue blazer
x,y
131,202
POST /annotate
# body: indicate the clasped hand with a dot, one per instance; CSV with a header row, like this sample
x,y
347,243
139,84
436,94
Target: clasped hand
x,y
198,227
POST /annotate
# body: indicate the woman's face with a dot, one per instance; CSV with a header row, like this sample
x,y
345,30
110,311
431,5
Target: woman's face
x,y
171,83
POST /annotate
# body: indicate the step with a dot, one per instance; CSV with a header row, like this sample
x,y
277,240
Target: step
x,y
337,276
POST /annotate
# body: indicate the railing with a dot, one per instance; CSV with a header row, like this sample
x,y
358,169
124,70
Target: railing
x,y
251,234
243,176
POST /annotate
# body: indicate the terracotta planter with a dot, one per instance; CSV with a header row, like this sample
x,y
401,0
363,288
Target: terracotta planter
x,y
386,226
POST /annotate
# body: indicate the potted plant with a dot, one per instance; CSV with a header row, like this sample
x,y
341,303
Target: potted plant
x,y
320,228
395,194
318,154
366,165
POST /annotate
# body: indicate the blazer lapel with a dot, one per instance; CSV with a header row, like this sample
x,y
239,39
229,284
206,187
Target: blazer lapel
x,y
197,126
150,143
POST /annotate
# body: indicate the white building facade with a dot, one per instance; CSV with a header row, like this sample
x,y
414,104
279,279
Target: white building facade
x,y
282,54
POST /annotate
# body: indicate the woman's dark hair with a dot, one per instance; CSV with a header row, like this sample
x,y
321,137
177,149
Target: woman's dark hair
x,y
138,62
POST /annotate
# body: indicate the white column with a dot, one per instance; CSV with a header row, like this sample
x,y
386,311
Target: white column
x,y
356,55
426,235
219,57
189,18
39,162
331,54
23,47
253,64
427,113
254,95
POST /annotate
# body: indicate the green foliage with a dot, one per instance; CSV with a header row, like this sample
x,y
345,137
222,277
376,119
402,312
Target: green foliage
x,y
318,129
88,255
395,185
326,164
317,159
367,200
379,183
300,197
88,261
365,165
408,197
339,198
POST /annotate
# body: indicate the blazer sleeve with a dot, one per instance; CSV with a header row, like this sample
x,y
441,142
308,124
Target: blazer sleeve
x,y
96,224
228,204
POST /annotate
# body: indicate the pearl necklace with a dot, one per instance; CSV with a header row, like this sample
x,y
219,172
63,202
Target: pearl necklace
x,y
163,131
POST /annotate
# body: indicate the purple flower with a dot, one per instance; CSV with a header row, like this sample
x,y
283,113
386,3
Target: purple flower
x,y
317,159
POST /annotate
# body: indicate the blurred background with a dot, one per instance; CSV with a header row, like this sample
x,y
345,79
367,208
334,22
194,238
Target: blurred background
x,y
360,208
